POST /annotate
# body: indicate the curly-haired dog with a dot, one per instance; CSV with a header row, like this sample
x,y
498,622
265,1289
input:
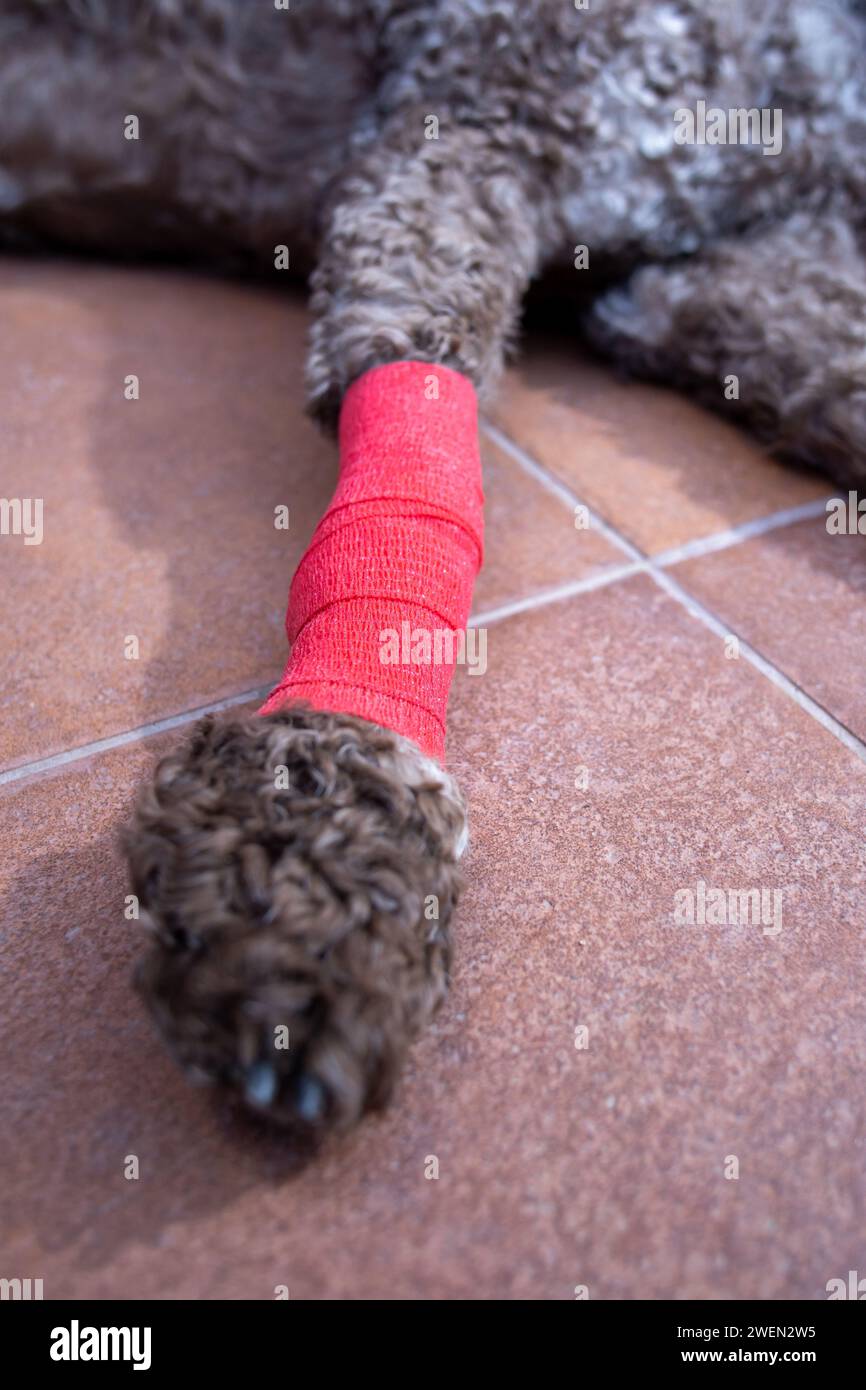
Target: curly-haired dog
x,y
424,160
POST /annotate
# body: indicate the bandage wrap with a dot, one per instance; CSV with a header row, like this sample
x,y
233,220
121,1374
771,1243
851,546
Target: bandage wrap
x,y
394,557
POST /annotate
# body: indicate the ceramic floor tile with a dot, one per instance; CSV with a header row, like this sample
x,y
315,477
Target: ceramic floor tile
x,y
799,596
158,513
612,757
661,469
531,540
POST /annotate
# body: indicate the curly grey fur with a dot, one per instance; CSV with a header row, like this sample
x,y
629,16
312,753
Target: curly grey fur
x,y
300,933
798,335
308,128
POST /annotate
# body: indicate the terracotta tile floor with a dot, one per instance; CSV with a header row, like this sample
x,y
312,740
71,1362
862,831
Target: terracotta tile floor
x,y
617,751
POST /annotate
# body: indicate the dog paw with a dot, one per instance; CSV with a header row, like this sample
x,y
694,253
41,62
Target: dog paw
x,y
297,874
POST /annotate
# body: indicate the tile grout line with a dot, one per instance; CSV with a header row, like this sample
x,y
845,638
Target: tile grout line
x,y
746,531
719,540
176,721
561,490
557,593
640,563
142,731
654,568
778,678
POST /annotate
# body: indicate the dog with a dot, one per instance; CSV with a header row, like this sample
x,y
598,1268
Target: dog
x,y
694,172
424,160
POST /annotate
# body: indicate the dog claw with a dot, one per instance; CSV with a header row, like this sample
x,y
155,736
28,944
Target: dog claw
x,y
260,1084
310,1098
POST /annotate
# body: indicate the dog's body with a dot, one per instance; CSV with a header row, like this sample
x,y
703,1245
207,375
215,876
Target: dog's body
x,y
425,159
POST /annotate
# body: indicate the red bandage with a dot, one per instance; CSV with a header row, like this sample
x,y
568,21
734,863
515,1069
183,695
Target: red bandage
x,y
386,583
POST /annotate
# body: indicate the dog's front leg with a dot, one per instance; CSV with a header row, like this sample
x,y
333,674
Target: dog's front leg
x,y
427,249
299,868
